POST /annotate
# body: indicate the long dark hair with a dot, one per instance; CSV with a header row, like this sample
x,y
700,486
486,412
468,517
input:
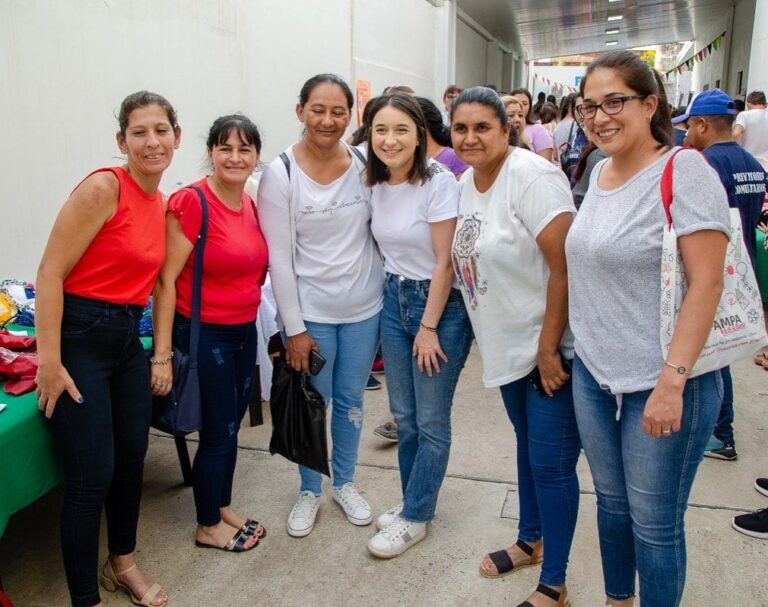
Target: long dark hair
x,y
375,170
434,122
581,164
642,79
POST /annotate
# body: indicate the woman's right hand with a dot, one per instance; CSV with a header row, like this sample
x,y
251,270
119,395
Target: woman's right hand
x,y
298,349
162,379
51,382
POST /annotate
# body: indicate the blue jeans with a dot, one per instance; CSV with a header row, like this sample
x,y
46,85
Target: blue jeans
x,y
348,349
642,483
102,442
724,427
226,364
421,404
548,448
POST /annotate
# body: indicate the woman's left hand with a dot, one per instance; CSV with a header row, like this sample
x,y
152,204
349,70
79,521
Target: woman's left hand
x,y
663,410
427,350
553,376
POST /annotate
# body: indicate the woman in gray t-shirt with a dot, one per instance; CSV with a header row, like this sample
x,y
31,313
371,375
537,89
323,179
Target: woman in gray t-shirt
x,y
643,422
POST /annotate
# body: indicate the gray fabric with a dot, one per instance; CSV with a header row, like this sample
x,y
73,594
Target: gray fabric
x,y
614,266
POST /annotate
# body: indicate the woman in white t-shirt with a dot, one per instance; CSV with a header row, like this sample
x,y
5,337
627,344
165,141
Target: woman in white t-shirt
x,y
327,280
509,256
425,332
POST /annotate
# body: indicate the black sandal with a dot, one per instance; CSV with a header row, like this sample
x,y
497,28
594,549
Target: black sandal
x,y
251,526
234,545
550,593
505,566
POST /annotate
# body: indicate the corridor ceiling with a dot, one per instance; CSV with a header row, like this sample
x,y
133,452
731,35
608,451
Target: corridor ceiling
x,y
553,28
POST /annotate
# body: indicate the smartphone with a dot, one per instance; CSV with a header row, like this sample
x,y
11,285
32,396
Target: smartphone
x,y
536,376
316,362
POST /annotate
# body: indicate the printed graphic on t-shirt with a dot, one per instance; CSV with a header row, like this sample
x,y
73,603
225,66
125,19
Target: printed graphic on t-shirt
x,y
333,207
465,257
434,167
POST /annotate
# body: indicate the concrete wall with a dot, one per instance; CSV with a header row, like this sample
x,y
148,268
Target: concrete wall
x,y
758,63
66,66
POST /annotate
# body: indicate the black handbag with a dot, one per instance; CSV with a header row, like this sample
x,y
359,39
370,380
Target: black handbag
x,y
180,412
298,419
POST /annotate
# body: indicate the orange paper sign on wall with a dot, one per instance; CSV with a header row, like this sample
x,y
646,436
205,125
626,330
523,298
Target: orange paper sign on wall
x,y
363,89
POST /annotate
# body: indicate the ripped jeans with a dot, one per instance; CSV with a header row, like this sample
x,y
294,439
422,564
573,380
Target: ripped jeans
x,y
227,361
348,349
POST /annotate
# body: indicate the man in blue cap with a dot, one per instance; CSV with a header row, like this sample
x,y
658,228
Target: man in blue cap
x,y
709,119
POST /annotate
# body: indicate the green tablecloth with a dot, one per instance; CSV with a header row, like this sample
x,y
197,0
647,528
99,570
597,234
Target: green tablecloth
x,y
28,464
762,266
29,467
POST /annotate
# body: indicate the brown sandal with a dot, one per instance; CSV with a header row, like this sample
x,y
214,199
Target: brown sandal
x,y
111,583
504,564
760,359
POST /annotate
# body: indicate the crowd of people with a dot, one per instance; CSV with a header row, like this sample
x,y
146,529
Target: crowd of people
x,y
495,219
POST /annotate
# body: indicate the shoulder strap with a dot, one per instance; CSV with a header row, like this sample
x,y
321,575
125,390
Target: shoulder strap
x,y
667,183
197,280
357,153
287,163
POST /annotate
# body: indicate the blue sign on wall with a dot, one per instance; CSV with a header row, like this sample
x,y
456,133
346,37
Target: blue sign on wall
x,y
577,81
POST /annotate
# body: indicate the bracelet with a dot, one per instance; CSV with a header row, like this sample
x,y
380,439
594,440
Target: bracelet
x,y
432,329
161,361
679,369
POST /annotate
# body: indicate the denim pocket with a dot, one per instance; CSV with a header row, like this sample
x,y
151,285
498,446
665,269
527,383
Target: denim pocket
x,y
454,295
81,322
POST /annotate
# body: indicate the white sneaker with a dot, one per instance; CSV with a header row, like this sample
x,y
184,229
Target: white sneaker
x,y
397,538
390,516
353,504
301,521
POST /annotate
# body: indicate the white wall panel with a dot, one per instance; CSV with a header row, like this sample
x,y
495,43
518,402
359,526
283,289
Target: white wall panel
x,y
66,65
471,56
758,64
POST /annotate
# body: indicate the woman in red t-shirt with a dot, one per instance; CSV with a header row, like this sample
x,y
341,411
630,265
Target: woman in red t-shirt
x,y
96,275
234,268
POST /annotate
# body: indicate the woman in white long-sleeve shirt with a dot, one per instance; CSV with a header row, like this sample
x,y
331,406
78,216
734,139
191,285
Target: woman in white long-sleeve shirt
x,y
327,278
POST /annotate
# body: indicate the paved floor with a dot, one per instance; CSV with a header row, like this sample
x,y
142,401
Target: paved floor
x,y
476,513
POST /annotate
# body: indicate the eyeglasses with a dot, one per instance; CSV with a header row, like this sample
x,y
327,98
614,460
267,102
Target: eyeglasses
x,y
610,107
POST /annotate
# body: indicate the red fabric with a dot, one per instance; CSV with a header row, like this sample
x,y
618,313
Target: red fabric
x,y
235,260
5,601
121,264
16,342
18,371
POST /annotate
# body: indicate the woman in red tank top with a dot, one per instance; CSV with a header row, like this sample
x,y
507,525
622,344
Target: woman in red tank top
x,y
234,268
96,275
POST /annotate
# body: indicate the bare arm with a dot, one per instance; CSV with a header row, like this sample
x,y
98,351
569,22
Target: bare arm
x,y
81,218
546,154
738,133
426,345
703,255
177,250
551,241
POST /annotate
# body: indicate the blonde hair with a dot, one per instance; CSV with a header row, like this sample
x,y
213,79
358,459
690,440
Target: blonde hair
x,y
522,138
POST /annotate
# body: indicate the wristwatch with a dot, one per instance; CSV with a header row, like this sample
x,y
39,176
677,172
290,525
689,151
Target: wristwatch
x,y
680,370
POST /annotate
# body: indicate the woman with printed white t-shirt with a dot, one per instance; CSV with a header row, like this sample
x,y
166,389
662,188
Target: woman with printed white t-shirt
x,y
509,256
327,280
425,331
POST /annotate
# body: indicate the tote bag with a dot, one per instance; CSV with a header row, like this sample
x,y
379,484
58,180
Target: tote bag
x,y
738,329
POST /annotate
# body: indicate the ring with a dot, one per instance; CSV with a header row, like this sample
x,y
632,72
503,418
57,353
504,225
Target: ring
x,y
666,431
